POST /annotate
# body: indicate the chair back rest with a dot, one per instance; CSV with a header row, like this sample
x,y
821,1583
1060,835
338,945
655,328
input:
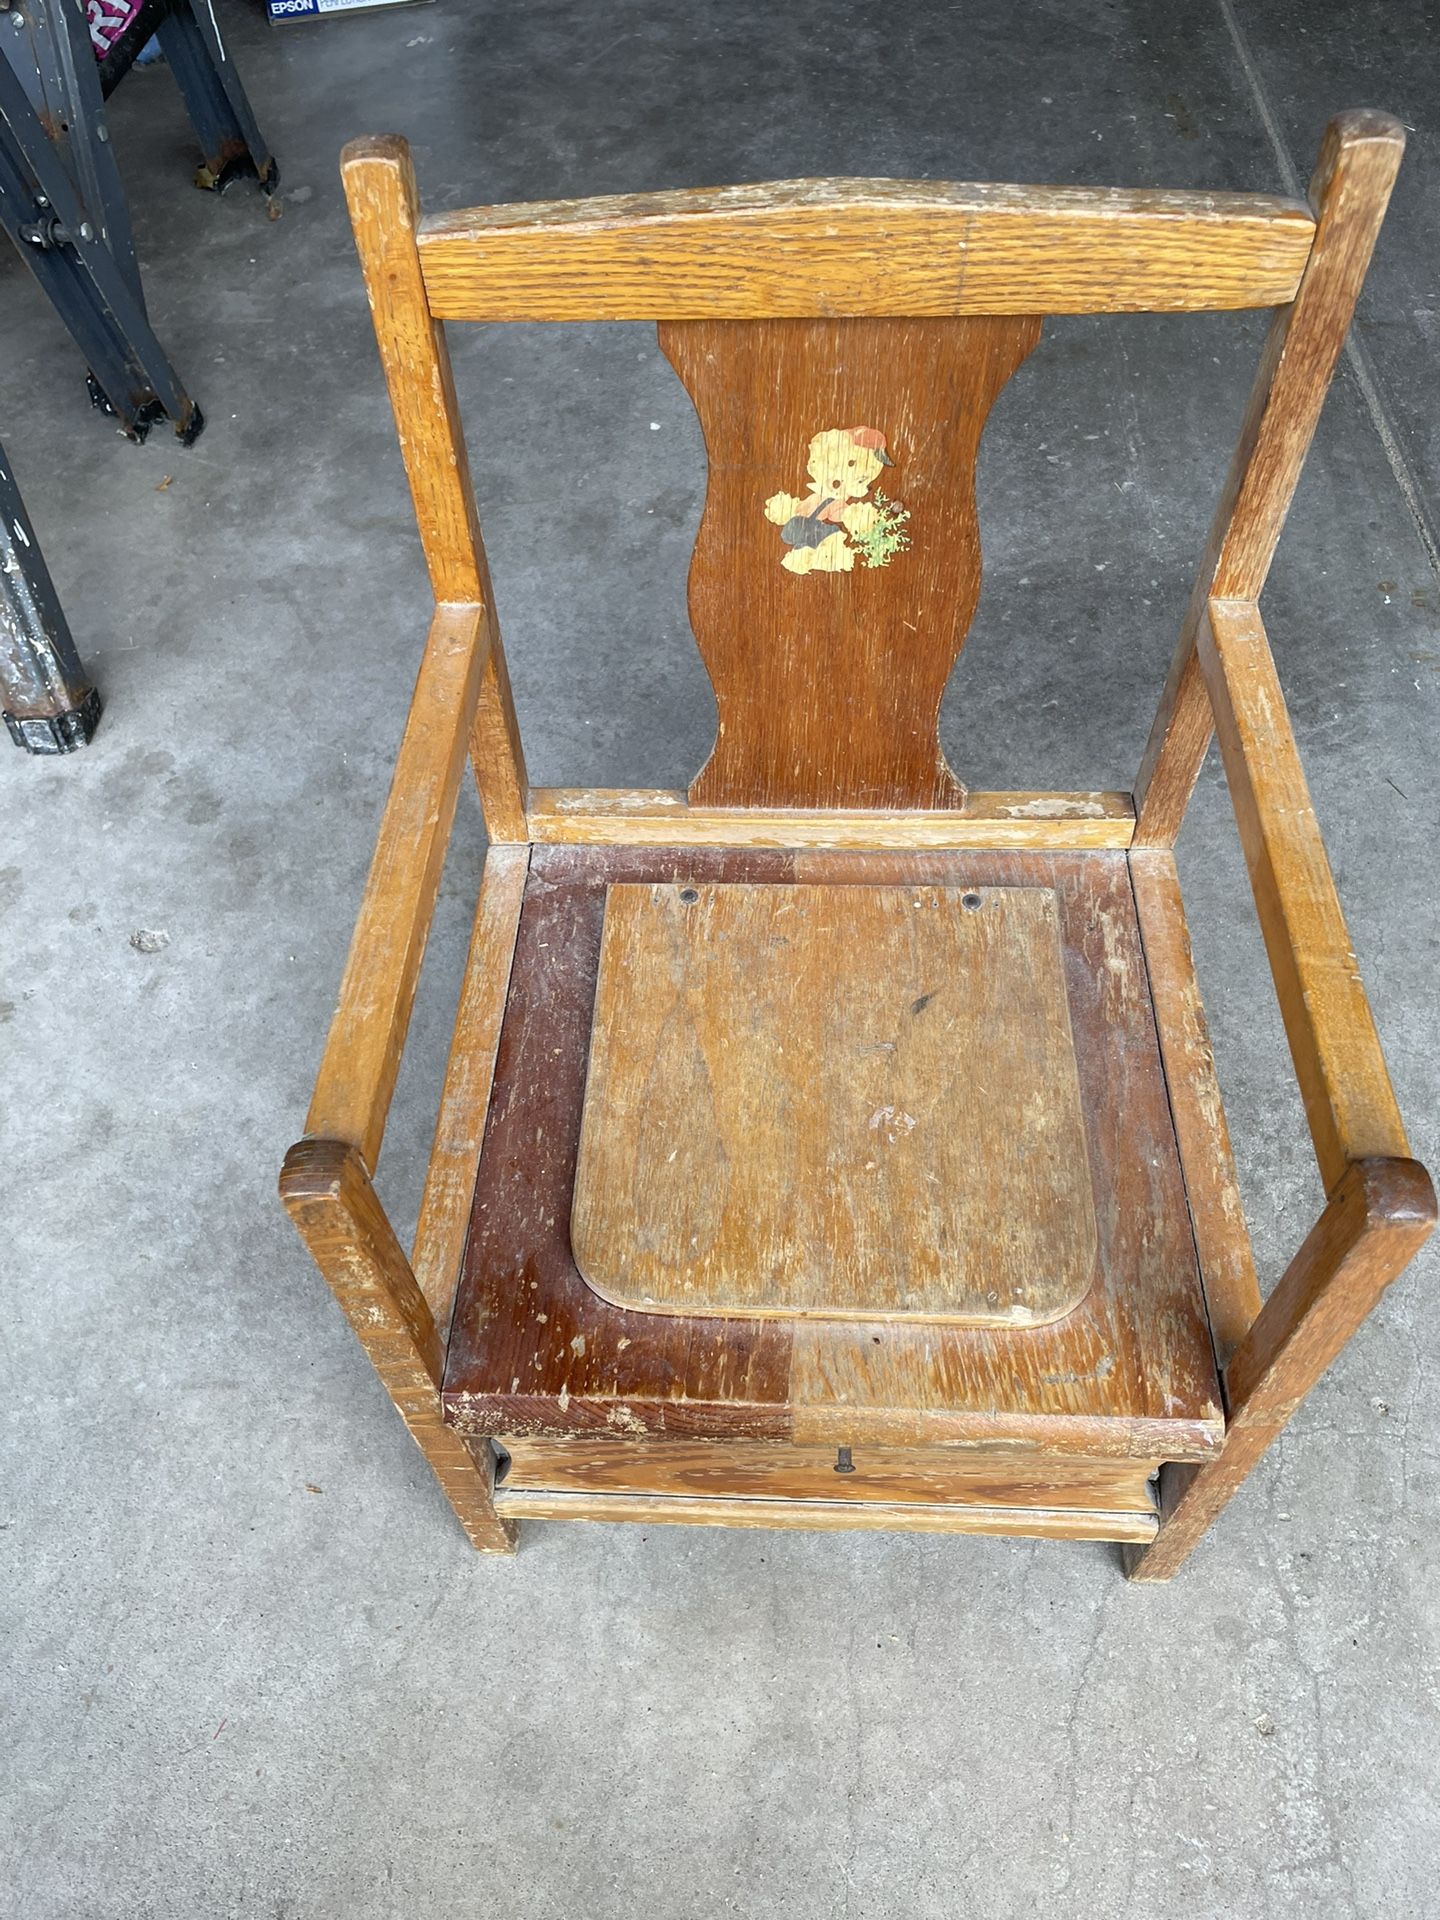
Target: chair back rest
x,y
843,343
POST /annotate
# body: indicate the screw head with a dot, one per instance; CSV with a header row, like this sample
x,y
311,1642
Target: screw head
x,y
87,232
17,19
102,132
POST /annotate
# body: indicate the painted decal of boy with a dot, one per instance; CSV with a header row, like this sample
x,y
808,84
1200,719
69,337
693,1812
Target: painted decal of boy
x,y
843,463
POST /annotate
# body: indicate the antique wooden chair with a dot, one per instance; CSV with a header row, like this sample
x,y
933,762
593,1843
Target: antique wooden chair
x,y
831,1146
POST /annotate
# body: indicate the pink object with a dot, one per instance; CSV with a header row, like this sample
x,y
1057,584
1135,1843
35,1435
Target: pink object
x,y
108,19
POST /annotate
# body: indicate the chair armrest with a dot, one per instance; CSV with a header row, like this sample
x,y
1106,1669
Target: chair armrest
x,y
327,1193
1379,1215
362,1053
1349,1103
1377,1219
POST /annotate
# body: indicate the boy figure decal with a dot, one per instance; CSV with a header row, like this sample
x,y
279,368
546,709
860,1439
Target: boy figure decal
x,y
835,520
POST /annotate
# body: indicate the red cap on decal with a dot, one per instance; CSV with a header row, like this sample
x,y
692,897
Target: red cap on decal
x,y
872,440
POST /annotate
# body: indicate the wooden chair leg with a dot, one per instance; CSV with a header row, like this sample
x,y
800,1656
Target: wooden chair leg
x,y
1378,1217
328,1194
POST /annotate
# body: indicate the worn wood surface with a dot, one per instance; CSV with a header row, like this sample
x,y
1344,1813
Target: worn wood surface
x,y
751,1469
826,1516
384,213
660,817
806,248
1349,193
1129,1374
1349,1102
465,1101
1141,1331
834,1102
829,683
834,707
1222,1238
327,1193
1378,1217
362,1054
532,1348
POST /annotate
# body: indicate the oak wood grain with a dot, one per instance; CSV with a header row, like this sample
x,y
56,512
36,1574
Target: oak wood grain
x,y
1222,1238
1130,1374
1349,192
652,816
828,1516
751,1469
809,248
465,1100
892,315
1349,1102
384,213
327,1193
1140,1337
377,992
834,1103
532,1348
1378,1217
829,683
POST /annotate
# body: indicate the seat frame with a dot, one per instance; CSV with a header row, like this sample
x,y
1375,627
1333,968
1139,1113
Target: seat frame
x,y
879,249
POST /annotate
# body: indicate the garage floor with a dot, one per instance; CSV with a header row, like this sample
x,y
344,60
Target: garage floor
x,y
251,1667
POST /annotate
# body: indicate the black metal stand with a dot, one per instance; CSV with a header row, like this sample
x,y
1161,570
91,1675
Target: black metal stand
x,y
62,204
61,200
231,142
49,704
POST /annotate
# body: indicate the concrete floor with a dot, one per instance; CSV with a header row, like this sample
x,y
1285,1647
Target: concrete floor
x,y
251,1667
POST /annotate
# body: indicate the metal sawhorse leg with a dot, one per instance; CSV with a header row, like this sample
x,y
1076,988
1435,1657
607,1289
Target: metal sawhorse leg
x,y
61,199
48,702
62,204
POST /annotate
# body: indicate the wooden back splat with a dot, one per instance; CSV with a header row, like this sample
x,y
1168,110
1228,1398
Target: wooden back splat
x,y
829,679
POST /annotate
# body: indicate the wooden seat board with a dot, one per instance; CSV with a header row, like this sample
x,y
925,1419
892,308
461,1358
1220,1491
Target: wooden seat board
x,y
534,1350
834,1102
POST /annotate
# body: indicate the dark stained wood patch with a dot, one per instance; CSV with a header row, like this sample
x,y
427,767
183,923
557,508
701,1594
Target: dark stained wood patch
x,y
532,1348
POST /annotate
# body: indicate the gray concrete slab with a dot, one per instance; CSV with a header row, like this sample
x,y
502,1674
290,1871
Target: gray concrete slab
x,y
251,1668
1300,60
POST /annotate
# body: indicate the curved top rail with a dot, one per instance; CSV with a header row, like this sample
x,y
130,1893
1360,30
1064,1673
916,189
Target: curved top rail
x,y
828,248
